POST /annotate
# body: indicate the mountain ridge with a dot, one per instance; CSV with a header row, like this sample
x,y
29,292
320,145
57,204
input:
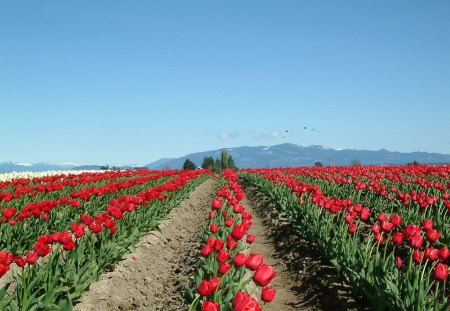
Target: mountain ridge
x,y
287,154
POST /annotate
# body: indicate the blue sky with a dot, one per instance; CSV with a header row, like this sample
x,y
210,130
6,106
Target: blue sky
x,y
123,82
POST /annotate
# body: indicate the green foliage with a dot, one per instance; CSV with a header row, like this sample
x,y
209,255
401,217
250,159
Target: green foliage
x,y
318,163
208,163
189,165
231,163
224,158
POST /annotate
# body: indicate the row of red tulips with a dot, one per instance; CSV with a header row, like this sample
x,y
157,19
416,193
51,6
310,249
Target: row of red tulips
x,y
365,242
220,283
88,245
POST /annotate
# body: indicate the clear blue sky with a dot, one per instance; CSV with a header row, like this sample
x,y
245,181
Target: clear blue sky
x,y
123,82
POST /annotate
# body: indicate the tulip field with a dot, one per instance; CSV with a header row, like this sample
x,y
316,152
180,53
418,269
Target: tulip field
x,y
385,229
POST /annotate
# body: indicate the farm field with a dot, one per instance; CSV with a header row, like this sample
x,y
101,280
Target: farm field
x,y
300,238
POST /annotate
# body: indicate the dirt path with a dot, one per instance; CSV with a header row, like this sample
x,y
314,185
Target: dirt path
x,y
286,297
152,277
304,281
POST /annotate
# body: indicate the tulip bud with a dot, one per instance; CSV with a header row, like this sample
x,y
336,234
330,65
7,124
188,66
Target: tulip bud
x,y
268,294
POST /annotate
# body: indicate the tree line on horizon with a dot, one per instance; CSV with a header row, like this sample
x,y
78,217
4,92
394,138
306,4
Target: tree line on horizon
x,y
216,165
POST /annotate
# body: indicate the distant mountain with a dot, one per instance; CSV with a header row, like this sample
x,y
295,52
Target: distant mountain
x,y
43,166
295,155
46,166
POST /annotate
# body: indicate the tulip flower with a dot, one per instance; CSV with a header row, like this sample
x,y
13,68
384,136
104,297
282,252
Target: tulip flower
x,y
264,274
250,238
398,262
224,267
229,222
210,306
268,294
214,228
433,235
216,203
427,224
238,231
254,261
222,255
417,256
396,220
440,272
443,253
243,302
239,260
398,237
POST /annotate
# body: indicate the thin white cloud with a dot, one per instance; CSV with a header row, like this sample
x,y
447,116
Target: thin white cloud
x,y
227,135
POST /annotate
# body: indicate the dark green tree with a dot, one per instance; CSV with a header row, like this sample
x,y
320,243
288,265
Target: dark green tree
x,y
217,166
208,163
189,165
318,163
355,162
224,158
231,163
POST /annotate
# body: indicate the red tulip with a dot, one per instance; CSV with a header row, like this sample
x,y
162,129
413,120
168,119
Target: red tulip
x,y
216,203
42,249
382,217
440,272
206,250
238,231
229,222
219,244
231,243
3,269
250,238
268,294
222,255
376,228
398,237
387,226
210,306
398,262
211,240
431,253
427,224
205,288
416,241
433,235
239,260
352,228
238,209
214,282
396,220
20,261
443,253
224,267
365,213
243,302
264,274
31,257
417,256
214,228
254,261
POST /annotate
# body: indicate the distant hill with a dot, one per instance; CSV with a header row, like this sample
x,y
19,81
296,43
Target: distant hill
x,y
261,156
42,167
296,155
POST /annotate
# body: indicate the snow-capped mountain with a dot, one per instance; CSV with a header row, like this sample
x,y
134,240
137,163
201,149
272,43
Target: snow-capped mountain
x,y
296,155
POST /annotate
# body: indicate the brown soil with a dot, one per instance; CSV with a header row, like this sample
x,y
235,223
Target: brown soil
x,y
305,280
152,277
